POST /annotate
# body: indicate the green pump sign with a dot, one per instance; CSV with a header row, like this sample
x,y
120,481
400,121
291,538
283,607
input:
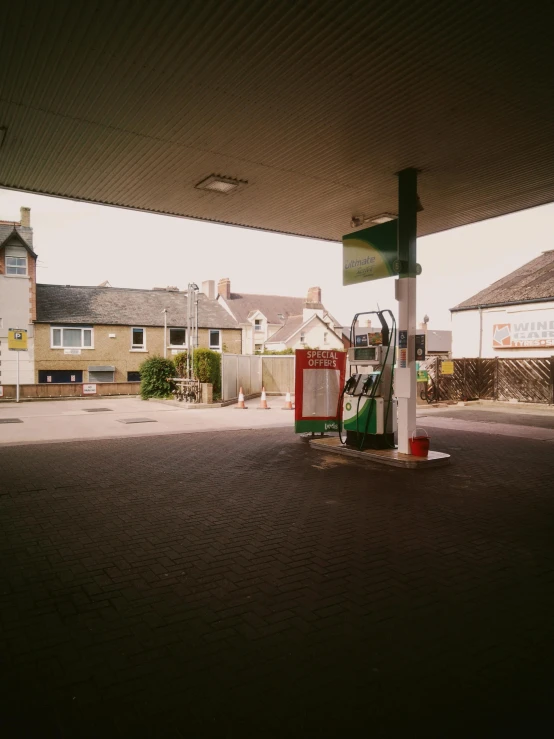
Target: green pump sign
x,y
370,254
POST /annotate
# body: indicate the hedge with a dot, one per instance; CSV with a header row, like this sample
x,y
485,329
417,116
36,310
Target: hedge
x,y
206,366
155,378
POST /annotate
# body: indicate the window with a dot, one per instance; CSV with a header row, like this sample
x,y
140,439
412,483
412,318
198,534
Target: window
x,y
101,375
215,340
258,348
133,376
138,339
325,337
71,338
16,265
177,337
258,324
60,376
302,338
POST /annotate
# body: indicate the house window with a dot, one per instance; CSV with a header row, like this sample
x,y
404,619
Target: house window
x,y
101,374
215,340
16,265
302,338
177,337
133,376
258,348
71,338
325,337
258,324
138,339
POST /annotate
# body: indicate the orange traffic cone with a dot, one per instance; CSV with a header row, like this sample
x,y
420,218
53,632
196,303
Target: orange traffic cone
x,y
288,403
240,405
263,401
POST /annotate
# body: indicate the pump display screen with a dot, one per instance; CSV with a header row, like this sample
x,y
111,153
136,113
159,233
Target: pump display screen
x,y
365,354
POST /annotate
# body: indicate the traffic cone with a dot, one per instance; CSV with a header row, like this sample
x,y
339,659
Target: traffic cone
x,y
288,403
263,401
240,405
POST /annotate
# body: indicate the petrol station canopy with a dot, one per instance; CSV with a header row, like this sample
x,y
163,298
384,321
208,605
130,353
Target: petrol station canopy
x,y
304,111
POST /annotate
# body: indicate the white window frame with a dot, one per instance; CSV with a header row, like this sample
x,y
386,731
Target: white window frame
x,y
325,337
176,346
72,328
260,326
302,337
214,347
138,347
16,274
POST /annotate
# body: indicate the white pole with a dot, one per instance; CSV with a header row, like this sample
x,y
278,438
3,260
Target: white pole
x,y
17,391
405,380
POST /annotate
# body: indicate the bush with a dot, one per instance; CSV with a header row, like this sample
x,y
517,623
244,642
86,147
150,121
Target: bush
x,y
155,378
275,353
206,366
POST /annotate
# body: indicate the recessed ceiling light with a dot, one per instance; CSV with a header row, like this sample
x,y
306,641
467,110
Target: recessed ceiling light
x,y
223,185
383,218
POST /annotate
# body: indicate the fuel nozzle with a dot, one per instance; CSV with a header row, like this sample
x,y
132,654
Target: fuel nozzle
x,y
385,333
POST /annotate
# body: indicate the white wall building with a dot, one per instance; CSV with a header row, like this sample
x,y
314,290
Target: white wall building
x,y
17,296
513,317
278,322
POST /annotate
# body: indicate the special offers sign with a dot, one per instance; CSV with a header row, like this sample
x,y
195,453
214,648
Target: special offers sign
x,y
318,384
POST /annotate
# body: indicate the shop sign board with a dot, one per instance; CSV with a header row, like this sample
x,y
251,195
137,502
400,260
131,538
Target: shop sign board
x,y
89,389
523,334
318,385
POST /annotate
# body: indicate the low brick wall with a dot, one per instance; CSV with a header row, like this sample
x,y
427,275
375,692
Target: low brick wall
x,y
68,390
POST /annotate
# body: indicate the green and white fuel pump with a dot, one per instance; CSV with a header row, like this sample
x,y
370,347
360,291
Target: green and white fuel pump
x,y
367,407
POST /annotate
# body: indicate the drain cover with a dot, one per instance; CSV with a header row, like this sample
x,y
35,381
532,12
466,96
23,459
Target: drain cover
x,y
136,420
11,420
96,410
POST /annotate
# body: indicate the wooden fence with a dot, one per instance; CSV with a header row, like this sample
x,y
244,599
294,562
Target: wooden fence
x,y
527,380
69,390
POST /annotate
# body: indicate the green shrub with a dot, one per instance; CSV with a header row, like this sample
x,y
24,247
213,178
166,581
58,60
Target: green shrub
x,y
155,378
207,366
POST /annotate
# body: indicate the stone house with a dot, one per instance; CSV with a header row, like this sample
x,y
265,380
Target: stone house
x,y
103,334
277,322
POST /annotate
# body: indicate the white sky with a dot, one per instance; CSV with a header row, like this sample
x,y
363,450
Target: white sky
x,y
83,244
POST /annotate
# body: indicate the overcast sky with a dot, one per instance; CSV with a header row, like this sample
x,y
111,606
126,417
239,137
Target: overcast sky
x,y
83,244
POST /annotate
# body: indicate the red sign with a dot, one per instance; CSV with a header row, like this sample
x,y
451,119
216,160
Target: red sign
x,y
319,382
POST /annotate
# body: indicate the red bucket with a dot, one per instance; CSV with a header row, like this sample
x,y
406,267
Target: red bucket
x,y
419,445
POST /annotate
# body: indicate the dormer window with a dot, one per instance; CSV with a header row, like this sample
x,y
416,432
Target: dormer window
x,y
258,324
16,266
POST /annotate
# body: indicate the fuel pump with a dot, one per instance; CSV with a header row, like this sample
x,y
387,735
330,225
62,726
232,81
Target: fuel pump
x,y
367,406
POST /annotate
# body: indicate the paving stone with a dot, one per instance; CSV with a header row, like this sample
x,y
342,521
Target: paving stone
x,y
200,586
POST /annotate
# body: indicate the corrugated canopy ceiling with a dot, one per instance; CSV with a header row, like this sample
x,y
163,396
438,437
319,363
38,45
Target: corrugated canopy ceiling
x,y
316,104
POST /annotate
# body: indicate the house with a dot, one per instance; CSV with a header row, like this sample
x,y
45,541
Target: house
x,y
103,334
17,296
513,317
278,322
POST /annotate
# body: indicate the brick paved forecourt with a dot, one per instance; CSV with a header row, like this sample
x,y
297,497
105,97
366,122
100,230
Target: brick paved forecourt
x,y
240,584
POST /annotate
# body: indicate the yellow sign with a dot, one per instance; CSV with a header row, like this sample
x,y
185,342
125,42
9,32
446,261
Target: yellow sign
x,y
17,339
447,368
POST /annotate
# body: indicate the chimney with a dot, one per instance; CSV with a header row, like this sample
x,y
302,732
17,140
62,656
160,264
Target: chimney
x,y
25,217
314,295
224,288
208,288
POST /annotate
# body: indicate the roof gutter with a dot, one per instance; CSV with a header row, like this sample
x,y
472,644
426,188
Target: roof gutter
x,y
480,306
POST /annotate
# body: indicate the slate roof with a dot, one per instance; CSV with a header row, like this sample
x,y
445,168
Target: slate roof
x,y
8,227
534,281
269,305
285,332
70,304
